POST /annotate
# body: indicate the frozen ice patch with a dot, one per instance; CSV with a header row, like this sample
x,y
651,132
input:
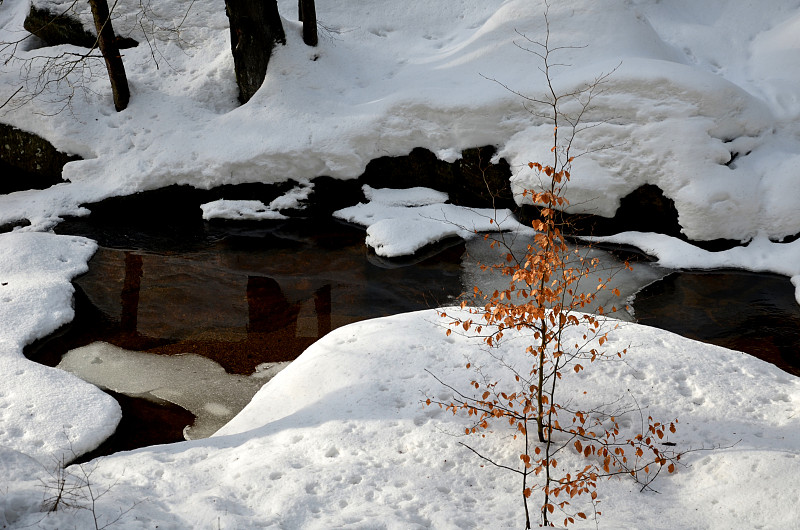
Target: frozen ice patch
x,y
195,383
759,255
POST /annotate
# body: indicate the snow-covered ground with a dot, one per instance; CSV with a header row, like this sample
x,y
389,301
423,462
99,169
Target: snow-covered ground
x,y
340,439
46,413
697,84
703,103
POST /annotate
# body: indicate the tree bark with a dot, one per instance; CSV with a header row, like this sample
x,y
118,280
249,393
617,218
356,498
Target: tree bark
x,y
308,15
255,30
106,41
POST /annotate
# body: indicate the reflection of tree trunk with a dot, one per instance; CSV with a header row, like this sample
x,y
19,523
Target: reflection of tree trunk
x,y
322,305
268,309
106,40
130,292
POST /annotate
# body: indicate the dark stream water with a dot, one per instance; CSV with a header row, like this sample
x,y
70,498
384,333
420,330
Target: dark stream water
x,y
745,311
246,294
239,294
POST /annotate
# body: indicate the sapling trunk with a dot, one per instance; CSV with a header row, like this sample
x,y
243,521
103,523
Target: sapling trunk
x,y
548,278
539,400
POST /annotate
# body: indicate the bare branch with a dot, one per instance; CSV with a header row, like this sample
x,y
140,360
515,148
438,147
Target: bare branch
x,y
57,77
484,457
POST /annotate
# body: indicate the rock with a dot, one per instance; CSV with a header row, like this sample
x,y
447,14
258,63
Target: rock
x,y
28,161
645,209
471,181
55,29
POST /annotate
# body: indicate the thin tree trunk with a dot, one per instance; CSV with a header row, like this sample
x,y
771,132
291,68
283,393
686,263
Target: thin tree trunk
x,y
308,15
106,41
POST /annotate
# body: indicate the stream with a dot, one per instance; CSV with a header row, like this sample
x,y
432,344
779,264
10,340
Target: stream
x,y
745,311
184,323
188,322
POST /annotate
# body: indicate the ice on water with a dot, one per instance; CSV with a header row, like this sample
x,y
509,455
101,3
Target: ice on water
x,y
191,381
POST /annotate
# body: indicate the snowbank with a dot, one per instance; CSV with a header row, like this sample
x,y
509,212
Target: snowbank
x,y
340,438
702,103
760,255
44,412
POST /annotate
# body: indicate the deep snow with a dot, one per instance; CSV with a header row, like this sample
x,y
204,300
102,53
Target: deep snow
x,y
340,439
703,103
697,84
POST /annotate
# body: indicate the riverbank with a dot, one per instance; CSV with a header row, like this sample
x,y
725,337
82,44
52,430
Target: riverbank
x,y
341,437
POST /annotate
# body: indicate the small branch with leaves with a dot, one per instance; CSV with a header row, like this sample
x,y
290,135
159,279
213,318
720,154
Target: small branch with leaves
x,y
544,303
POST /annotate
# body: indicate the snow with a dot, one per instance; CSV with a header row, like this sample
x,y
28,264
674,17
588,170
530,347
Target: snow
x,y
256,210
760,255
293,199
239,210
694,85
338,439
45,413
702,102
400,222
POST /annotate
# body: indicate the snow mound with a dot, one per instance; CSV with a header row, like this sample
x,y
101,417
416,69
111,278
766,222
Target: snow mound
x,y
44,412
400,222
341,438
701,102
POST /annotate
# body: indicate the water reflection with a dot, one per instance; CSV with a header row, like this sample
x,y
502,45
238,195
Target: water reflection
x,y
130,292
611,266
239,295
753,313
246,298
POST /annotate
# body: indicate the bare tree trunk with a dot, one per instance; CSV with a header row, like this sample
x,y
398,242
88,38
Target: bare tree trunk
x,y
106,40
255,29
308,15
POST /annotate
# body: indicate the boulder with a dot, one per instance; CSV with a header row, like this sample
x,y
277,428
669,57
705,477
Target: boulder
x,y
28,161
55,29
